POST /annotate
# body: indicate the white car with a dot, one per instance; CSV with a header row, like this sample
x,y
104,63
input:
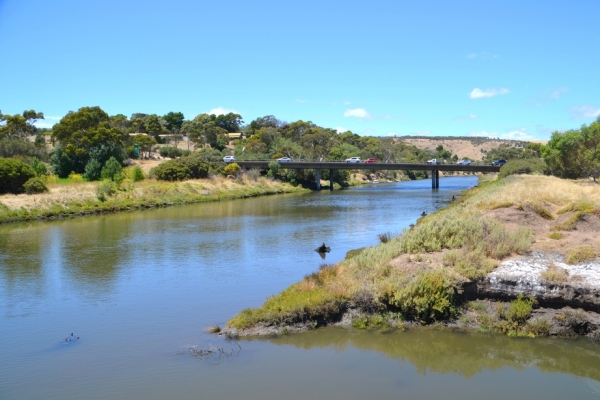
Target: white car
x,y
434,161
229,159
353,160
464,162
284,159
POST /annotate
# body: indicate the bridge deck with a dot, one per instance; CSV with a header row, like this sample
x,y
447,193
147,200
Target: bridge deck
x,y
371,166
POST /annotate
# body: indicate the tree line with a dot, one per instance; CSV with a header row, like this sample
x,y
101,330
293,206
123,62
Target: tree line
x,y
84,141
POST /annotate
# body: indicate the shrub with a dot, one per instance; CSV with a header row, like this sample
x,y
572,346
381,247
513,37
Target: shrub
x,y
39,167
107,188
231,169
520,309
428,297
173,152
112,170
73,177
522,166
13,174
556,235
137,174
93,170
581,254
34,185
172,170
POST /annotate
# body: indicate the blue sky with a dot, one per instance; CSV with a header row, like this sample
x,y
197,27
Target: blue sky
x,y
510,69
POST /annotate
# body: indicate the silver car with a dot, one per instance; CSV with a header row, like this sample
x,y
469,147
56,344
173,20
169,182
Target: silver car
x,y
229,159
353,160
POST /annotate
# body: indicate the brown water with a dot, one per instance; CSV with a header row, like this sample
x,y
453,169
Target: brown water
x,y
139,288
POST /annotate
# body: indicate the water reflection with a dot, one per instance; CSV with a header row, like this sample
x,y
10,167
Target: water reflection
x,y
464,353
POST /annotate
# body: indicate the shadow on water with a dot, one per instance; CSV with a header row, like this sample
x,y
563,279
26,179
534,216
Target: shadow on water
x,y
464,353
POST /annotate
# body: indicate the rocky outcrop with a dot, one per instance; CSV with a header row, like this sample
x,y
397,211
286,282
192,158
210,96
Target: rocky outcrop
x,y
579,287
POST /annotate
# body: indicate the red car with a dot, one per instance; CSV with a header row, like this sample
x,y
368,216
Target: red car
x,y
370,160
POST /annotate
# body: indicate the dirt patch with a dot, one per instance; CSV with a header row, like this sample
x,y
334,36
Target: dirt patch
x,y
474,150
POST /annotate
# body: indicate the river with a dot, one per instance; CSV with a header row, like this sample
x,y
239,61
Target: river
x,y
140,288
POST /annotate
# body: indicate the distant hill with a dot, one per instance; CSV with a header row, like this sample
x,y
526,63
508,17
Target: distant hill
x,y
463,146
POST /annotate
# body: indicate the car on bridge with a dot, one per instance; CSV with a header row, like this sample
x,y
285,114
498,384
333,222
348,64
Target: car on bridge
x,y
370,160
353,160
284,159
434,161
498,163
229,159
464,162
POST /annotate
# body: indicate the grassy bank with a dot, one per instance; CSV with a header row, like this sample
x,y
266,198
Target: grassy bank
x,y
417,276
66,199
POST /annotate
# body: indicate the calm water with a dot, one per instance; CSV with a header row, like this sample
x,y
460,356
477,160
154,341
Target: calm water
x,y
139,288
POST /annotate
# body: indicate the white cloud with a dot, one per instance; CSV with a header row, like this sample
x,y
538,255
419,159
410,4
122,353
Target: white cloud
x,y
340,129
391,133
43,124
549,95
479,93
222,111
462,118
357,112
346,102
516,134
301,101
585,111
483,56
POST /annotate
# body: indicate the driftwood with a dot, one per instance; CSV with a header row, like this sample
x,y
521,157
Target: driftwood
x,y
323,249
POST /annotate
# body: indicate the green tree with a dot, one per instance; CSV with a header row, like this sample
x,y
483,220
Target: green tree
x,y
18,126
93,170
153,126
561,154
79,132
146,143
112,170
173,120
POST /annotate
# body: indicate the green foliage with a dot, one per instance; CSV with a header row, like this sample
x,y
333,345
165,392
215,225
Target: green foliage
x,y
522,166
575,153
112,170
15,147
62,165
173,152
231,169
39,167
137,174
274,169
520,309
13,174
556,235
34,185
189,167
93,170
429,297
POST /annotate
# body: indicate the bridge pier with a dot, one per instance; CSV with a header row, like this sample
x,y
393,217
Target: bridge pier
x,y
435,179
330,179
318,179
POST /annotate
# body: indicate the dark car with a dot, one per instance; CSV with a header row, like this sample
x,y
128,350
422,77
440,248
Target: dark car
x,y
498,163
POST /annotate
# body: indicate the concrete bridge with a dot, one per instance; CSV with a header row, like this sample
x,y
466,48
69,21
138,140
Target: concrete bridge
x,y
332,165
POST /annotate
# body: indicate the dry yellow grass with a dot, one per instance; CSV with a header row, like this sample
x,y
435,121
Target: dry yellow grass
x,y
527,188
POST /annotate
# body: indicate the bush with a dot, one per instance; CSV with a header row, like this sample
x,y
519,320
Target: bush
x,y
173,152
522,166
93,170
34,185
172,171
105,189
137,174
231,169
13,174
112,170
180,169
39,167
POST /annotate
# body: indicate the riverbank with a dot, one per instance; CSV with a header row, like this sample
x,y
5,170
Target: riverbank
x,y
64,200
517,256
